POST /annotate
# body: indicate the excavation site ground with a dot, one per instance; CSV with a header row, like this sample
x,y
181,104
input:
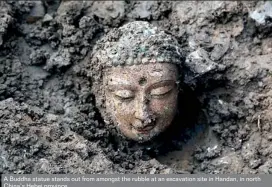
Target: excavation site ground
x,y
49,121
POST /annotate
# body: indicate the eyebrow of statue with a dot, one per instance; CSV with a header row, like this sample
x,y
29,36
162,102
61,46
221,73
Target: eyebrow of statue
x,y
162,83
159,70
114,86
156,70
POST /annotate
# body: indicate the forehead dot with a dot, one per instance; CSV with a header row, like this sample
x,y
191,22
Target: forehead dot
x,y
142,81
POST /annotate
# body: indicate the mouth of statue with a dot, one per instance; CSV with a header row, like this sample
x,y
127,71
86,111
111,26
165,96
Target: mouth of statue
x,y
145,130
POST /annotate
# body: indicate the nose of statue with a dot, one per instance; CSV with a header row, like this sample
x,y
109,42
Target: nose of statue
x,y
142,113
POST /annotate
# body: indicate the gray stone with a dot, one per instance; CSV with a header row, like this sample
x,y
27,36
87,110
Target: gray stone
x,y
200,63
47,18
37,12
261,14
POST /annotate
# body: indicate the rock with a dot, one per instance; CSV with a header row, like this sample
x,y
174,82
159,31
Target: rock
x,y
110,12
167,171
35,111
36,13
154,163
261,14
201,11
47,18
5,19
153,171
232,163
58,109
68,11
269,136
3,88
100,163
59,60
189,7
85,22
199,62
221,42
267,46
38,57
213,152
51,118
142,10
43,165
255,163
266,168
81,149
250,149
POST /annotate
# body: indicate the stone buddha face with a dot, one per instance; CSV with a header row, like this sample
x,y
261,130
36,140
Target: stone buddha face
x,y
137,65
142,99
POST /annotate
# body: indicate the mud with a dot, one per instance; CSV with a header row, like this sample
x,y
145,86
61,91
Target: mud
x,y
49,122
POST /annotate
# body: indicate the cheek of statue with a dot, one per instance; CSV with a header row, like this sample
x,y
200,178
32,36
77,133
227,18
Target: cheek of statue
x,y
143,109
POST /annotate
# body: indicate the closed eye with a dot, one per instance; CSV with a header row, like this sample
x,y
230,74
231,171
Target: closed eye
x,y
123,94
161,91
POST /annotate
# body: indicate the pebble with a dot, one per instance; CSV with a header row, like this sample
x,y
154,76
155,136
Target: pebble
x,y
47,18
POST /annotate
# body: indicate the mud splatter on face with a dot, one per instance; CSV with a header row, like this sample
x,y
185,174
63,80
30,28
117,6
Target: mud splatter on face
x,y
142,81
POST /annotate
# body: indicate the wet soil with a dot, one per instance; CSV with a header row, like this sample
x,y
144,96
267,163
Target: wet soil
x,y
49,122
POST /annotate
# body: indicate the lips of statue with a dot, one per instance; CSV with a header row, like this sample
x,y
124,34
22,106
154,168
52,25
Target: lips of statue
x,y
142,99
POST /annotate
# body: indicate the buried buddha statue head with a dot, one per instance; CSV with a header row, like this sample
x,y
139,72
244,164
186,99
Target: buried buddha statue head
x,y
135,74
